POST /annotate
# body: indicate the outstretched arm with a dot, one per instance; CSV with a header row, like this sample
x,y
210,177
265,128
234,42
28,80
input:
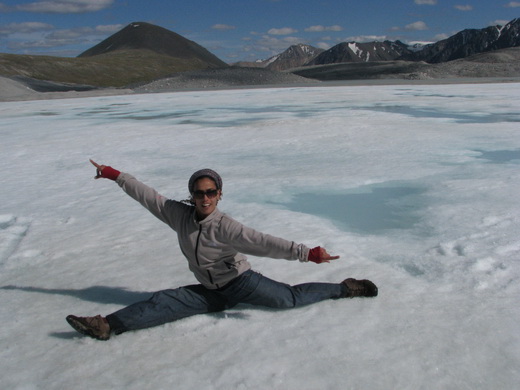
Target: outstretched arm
x,y
252,242
145,195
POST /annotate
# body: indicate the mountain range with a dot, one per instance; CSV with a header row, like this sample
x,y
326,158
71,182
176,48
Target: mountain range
x,y
142,52
461,45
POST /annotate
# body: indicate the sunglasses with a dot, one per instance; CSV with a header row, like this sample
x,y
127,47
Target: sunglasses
x,y
199,194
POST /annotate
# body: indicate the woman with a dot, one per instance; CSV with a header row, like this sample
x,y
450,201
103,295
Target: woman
x,y
213,243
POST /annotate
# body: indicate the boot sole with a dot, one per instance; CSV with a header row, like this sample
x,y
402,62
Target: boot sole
x,y
370,289
81,328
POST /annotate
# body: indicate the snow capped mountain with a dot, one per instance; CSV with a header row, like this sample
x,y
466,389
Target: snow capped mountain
x,y
469,42
417,46
463,44
293,57
361,52
509,35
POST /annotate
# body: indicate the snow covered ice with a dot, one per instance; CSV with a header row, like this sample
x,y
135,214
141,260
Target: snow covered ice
x,y
416,187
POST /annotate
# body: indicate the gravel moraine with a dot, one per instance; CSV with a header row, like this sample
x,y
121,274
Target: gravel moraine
x,y
221,78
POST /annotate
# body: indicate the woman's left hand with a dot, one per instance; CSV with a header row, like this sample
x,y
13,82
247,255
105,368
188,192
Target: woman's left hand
x,y
105,171
320,255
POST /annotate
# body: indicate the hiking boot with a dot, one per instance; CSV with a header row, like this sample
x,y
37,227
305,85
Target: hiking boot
x,y
359,288
96,327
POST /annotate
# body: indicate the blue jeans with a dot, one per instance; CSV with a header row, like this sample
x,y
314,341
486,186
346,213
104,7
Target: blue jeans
x,y
250,287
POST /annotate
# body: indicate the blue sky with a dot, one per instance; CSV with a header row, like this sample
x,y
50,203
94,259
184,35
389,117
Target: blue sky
x,y
238,30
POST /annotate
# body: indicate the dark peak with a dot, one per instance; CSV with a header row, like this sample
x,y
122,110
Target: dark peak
x,y
146,36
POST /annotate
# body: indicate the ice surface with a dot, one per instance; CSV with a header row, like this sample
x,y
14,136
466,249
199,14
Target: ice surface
x,y
416,187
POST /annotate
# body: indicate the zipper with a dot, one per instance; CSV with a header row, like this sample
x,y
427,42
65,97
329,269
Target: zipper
x,y
210,278
197,254
197,246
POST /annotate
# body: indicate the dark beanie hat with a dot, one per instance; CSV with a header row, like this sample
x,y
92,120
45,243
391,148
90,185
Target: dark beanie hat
x,y
205,173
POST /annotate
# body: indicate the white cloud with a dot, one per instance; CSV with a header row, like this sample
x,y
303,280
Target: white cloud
x,y
335,28
24,28
267,40
366,38
440,37
320,28
275,45
35,35
466,7
416,26
30,45
65,6
282,31
61,35
84,32
222,27
323,45
425,2
512,4
108,28
315,29
419,43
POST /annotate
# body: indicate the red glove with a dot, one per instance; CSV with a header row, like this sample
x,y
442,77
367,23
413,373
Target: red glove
x,y
319,255
315,255
108,173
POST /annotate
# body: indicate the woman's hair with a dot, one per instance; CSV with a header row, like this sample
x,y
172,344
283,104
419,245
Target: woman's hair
x,y
210,174
204,173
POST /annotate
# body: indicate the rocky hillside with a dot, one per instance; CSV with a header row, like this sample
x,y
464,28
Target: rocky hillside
x,y
503,63
139,53
231,77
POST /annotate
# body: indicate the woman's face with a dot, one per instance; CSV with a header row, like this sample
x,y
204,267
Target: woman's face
x,y
205,196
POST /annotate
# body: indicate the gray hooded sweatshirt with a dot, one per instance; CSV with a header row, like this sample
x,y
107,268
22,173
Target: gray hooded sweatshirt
x,y
215,246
